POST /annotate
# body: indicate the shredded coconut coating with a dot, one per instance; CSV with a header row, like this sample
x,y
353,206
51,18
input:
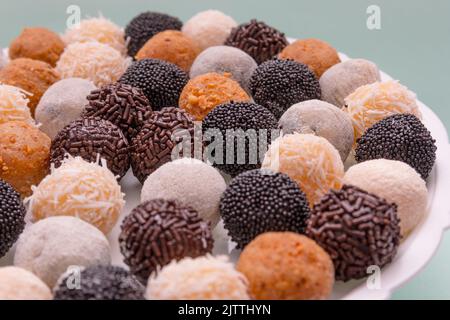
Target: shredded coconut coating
x,y
14,105
20,284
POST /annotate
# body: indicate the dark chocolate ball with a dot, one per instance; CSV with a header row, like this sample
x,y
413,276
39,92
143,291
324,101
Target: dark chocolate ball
x,y
257,39
144,26
99,283
278,84
357,229
159,231
91,139
401,137
161,81
123,105
247,130
259,201
12,217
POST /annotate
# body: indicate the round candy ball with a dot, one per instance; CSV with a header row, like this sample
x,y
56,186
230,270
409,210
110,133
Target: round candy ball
x,y
322,119
161,81
91,139
357,229
100,283
259,201
19,284
278,84
14,105
286,266
50,246
80,189
192,182
205,92
202,278
61,104
159,231
396,182
209,28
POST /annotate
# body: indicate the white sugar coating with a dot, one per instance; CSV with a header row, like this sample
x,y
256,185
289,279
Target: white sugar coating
x,y
20,284
203,278
190,181
93,61
62,103
48,247
3,59
322,119
14,105
209,28
80,189
220,59
343,78
396,182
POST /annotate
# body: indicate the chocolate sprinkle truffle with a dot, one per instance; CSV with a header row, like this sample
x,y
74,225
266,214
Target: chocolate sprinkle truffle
x,y
122,105
357,229
91,138
161,81
260,41
12,217
278,84
400,137
159,231
101,283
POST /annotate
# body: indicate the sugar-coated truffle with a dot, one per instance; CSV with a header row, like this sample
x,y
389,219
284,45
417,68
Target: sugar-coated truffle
x,y
161,81
278,84
146,25
121,104
24,155
48,247
209,28
192,182
171,46
14,105
259,201
80,189
322,119
100,283
205,92
246,127
93,61
357,229
309,160
12,217
38,44
202,278
20,284
159,231
286,266
343,78
258,39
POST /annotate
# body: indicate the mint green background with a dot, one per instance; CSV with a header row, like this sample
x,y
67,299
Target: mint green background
x,y
412,46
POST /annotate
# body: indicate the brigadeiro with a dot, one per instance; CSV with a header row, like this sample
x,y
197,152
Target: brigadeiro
x,y
121,104
278,84
20,284
357,229
259,40
161,81
100,283
400,137
14,105
259,201
159,231
91,139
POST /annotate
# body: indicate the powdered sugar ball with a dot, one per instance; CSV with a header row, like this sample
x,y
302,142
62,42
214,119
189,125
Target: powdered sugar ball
x,y
20,284
14,105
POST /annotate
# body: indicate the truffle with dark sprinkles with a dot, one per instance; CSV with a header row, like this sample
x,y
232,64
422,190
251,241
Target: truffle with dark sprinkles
x,y
357,229
159,231
401,137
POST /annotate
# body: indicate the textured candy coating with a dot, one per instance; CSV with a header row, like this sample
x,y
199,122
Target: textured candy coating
x,y
14,105
20,284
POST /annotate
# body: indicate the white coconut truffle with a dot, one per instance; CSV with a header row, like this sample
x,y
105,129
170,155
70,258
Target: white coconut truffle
x,y
20,284
62,103
209,28
396,182
48,247
343,78
190,181
220,59
14,105
322,119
